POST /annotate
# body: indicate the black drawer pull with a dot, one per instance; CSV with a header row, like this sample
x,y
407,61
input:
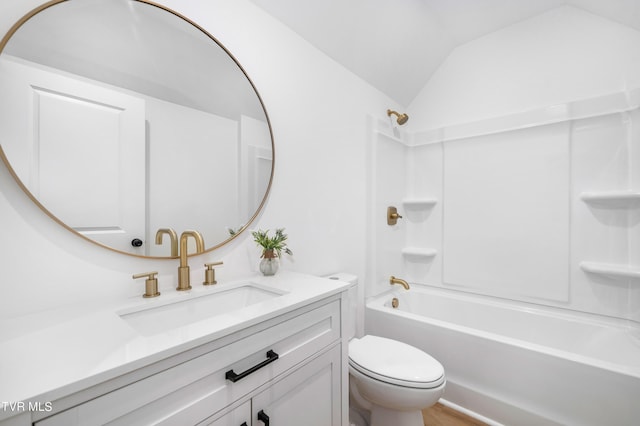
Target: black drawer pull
x,y
263,418
244,424
231,375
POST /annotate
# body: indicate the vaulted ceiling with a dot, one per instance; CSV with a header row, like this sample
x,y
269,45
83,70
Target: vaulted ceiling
x,y
396,45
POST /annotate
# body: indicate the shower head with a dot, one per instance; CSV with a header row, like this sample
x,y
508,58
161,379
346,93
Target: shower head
x,y
402,118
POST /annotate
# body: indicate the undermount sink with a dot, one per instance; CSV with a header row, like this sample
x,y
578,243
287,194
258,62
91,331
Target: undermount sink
x,y
157,319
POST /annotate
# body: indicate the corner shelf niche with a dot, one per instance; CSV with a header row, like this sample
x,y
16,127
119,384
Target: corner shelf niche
x,y
421,253
419,203
612,199
611,270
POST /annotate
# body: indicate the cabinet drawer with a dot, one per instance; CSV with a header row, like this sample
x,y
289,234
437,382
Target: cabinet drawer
x,y
193,390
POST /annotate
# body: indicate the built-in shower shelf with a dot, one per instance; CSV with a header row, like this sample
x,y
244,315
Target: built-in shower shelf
x,y
419,252
419,203
611,270
620,199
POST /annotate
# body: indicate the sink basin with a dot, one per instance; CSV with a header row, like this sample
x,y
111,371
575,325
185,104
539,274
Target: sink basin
x,y
157,319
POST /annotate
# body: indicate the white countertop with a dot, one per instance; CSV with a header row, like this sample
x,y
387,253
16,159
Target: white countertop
x,y
57,353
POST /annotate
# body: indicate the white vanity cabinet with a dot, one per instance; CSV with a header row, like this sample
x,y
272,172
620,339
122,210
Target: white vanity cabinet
x,y
290,368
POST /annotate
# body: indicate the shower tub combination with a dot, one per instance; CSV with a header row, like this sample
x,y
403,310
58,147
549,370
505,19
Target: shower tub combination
x,y
519,364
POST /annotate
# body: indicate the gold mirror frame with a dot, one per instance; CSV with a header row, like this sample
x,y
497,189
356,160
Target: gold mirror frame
x,y
37,10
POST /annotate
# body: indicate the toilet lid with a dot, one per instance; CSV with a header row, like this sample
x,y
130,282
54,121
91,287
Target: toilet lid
x,y
395,362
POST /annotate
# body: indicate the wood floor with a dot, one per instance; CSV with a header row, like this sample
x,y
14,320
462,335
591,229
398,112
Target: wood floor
x,y
440,415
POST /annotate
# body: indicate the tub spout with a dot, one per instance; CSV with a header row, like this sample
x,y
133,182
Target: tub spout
x,y
393,280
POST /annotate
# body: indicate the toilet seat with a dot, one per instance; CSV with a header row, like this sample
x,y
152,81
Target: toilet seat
x,y
395,363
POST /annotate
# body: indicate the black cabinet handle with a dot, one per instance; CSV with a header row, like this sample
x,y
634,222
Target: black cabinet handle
x,y
244,424
263,418
234,377
136,242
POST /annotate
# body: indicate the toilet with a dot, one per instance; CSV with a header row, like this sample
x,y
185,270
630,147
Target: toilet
x,y
390,382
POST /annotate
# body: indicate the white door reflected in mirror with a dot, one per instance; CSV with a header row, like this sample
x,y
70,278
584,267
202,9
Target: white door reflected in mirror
x,y
159,127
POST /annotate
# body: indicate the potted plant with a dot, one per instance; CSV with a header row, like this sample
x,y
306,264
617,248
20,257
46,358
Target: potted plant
x,y
272,248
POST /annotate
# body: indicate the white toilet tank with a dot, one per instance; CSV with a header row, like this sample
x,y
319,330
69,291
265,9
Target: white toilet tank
x,y
352,296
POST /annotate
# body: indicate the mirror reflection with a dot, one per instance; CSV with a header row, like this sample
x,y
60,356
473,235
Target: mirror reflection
x,y
121,118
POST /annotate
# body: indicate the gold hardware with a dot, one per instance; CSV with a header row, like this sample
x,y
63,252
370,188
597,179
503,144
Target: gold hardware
x,y
210,273
174,239
402,118
184,282
393,280
395,302
150,285
392,215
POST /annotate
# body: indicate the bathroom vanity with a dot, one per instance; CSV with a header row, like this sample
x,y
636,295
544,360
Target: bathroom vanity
x,y
260,351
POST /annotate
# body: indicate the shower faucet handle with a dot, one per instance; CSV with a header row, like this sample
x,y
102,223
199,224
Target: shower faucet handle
x,y
392,215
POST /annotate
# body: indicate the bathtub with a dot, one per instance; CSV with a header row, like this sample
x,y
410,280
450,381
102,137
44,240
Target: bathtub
x,y
519,364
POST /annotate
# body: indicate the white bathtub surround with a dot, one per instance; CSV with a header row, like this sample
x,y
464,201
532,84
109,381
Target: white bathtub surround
x,y
526,142
531,206
518,363
569,97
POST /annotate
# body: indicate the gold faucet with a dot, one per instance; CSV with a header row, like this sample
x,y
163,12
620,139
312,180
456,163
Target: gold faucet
x,y
393,280
183,269
174,239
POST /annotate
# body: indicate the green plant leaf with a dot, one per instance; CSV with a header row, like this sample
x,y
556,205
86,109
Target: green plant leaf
x,y
277,243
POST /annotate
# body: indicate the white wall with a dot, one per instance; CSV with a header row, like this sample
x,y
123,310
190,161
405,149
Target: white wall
x,y
317,110
505,144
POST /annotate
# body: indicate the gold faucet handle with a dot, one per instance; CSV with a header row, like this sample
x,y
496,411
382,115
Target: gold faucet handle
x,y
210,273
392,215
151,283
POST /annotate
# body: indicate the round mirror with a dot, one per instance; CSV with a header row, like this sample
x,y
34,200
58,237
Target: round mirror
x,y
121,118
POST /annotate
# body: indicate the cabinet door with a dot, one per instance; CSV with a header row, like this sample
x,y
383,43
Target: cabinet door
x,y
310,395
240,416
